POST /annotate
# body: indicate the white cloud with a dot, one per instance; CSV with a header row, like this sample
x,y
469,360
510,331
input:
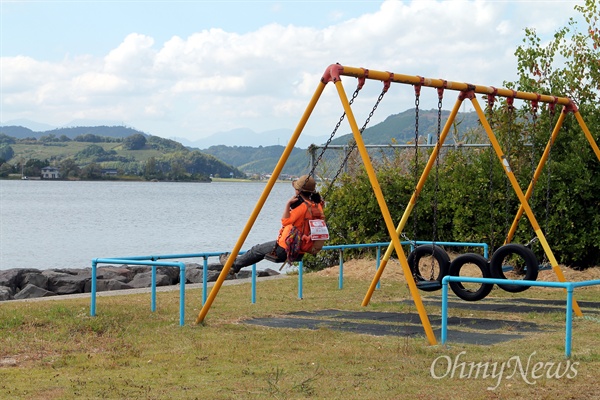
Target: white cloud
x,y
214,80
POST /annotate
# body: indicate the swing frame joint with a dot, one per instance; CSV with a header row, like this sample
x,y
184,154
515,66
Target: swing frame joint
x,y
388,82
418,86
363,79
571,107
534,103
440,89
552,105
332,73
468,93
491,97
511,100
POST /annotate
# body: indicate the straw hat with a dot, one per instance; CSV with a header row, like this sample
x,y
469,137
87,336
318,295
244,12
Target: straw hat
x,y
305,183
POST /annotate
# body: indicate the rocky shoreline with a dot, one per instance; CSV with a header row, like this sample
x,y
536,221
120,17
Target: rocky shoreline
x,y
29,283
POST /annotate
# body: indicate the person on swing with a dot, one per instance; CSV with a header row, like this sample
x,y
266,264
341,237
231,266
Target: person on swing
x,y
291,244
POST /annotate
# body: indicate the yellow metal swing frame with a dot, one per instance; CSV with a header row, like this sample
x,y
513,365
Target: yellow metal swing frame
x,y
333,74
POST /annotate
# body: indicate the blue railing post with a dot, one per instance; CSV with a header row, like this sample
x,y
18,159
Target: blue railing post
x,y
93,290
377,263
153,306
181,294
341,277
253,283
205,280
444,328
569,322
300,283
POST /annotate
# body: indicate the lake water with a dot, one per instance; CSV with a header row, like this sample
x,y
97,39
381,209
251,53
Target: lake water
x,y
59,224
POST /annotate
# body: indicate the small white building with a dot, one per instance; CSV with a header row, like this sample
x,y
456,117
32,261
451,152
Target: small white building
x,y
50,173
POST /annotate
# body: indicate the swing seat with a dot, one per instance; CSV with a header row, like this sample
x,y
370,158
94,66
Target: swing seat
x,y
429,285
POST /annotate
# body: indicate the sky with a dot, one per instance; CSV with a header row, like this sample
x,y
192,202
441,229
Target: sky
x,y
192,69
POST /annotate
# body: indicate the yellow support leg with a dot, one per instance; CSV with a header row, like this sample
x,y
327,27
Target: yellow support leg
x,y
263,198
513,181
413,199
386,214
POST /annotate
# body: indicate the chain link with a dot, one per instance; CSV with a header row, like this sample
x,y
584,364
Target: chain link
x,y
416,170
337,126
353,146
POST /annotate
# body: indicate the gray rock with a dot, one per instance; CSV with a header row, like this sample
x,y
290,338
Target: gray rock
x,y
6,293
195,275
72,280
112,272
106,284
65,283
31,292
35,278
269,272
13,277
215,267
247,273
144,280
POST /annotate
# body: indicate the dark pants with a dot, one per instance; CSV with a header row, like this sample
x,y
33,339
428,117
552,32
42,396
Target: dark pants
x,y
257,253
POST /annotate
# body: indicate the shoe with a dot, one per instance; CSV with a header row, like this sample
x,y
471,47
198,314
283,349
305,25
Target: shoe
x,y
223,258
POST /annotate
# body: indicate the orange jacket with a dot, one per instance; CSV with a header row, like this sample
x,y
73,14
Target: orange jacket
x,y
297,218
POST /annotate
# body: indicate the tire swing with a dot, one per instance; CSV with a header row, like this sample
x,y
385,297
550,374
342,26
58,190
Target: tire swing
x,y
519,258
424,272
459,289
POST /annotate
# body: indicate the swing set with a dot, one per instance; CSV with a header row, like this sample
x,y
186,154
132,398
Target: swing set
x,y
466,91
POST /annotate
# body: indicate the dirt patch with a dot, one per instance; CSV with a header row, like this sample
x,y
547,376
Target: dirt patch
x,y
365,269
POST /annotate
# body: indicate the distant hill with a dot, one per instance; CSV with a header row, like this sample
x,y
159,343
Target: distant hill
x,y
91,155
20,132
255,158
245,137
261,160
400,128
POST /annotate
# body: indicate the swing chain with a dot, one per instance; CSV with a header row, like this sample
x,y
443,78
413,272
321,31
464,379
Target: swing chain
x,y
416,170
437,164
436,183
353,146
509,101
405,236
549,174
337,126
532,241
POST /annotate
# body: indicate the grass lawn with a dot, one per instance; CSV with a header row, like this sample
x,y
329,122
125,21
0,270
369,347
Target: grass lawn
x,y
55,350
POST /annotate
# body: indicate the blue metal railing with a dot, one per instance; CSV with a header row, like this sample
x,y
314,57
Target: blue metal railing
x,y
154,261
569,286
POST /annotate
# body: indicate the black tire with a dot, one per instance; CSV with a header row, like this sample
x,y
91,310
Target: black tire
x,y
528,257
458,288
440,256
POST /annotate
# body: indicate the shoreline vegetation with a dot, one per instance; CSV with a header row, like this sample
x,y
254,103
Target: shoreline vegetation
x,y
140,179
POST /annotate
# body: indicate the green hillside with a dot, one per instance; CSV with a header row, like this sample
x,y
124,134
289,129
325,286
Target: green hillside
x,y
134,153
92,156
400,128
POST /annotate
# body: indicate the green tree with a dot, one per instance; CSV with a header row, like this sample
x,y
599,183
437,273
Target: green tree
x,y
573,174
134,142
151,170
68,168
5,139
91,171
6,169
33,167
475,201
6,152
